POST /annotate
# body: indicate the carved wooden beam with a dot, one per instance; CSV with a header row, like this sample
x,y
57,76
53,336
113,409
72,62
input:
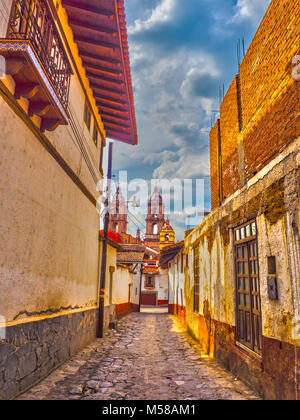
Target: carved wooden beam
x,y
49,124
110,99
124,116
115,123
99,86
101,69
27,90
113,106
14,65
98,76
81,7
96,42
83,53
96,28
118,128
38,108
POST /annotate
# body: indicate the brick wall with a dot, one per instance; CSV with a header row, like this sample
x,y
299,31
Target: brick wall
x,y
214,164
230,123
269,112
269,94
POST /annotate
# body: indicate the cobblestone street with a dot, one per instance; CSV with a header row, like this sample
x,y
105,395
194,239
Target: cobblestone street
x,y
147,357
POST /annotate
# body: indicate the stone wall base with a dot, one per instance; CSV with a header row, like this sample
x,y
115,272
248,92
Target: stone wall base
x,y
31,350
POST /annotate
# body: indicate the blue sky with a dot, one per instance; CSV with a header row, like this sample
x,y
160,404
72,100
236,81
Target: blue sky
x,y
181,51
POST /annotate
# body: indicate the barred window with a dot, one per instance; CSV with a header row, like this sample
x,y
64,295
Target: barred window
x,y
248,287
196,279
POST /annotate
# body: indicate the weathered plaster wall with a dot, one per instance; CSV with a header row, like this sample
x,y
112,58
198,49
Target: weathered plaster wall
x,y
122,282
111,264
272,197
162,284
135,296
49,261
49,230
117,282
177,296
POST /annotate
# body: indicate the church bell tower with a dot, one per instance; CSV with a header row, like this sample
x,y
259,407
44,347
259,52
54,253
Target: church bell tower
x,y
118,213
155,220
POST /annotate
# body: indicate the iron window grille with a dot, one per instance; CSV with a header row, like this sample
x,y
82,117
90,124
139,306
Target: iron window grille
x,y
248,314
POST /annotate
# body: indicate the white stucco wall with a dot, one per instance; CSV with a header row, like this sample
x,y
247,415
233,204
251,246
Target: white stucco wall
x,y
123,279
176,281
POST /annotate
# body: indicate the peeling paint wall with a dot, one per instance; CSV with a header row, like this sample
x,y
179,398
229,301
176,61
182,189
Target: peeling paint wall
x,y
177,295
120,287
272,198
49,230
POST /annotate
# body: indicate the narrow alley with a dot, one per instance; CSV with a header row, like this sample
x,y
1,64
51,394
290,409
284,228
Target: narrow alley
x,y
148,357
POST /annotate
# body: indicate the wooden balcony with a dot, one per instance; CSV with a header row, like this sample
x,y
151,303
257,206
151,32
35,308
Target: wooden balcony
x,y
36,60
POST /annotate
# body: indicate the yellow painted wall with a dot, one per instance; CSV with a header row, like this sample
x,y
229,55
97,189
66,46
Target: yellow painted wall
x,y
49,260
49,229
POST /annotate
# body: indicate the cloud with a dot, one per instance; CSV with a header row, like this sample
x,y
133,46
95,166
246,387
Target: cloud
x,y
160,14
180,52
188,166
250,10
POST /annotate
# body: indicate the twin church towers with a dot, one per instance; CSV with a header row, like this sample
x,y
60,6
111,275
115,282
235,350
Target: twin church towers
x,y
159,232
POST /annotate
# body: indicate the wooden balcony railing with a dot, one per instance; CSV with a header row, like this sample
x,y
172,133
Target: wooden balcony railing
x,y
32,20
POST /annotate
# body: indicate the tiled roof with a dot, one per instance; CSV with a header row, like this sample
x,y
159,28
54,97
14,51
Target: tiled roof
x,y
131,253
130,257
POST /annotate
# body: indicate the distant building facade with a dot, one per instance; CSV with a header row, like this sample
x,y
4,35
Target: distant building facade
x,y
159,233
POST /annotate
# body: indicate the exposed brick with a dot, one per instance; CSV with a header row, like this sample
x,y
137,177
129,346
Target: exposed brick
x,y
262,104
269,94
230,123
214,164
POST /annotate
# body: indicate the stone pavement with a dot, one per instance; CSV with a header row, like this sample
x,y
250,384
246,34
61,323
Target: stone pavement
x,y
148,357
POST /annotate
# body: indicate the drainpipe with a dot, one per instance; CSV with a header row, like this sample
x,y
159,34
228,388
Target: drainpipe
x,y
104,246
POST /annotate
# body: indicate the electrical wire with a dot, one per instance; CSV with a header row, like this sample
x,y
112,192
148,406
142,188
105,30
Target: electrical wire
x,y
140,223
